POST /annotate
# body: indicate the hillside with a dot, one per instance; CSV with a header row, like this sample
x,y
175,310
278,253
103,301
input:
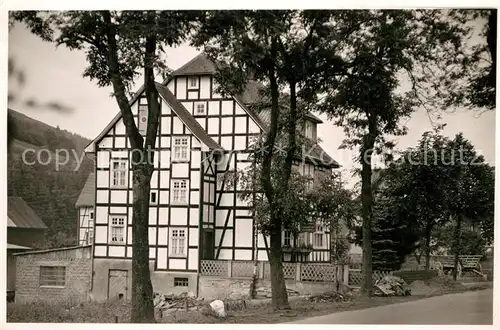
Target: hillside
x,y
49,189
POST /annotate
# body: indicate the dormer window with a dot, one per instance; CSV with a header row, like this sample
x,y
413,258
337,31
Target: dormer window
x,y
308,129
193,82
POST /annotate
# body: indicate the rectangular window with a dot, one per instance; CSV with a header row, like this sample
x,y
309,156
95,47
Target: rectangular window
x,y
287,241
154,198
193,82
199,108
318,236
180,149
91,215
179,191
142,124
117,229
308,130
178,242
181,281
119,173
52,276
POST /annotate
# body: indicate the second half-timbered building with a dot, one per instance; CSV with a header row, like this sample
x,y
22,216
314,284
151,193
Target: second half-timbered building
x,y
193,215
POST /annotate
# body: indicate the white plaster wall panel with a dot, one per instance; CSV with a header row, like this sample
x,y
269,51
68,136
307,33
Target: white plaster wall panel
x,y
82,233
215,86
152,253
241,202
152,236
164,142
243,228
193,236
220,217
130,215
195,198
242,166
262,255
195,179
120,142
130,196
161,260
242,254
226,254
226,142
118,196
243,213
163,216
171,86
101,235
103,159
227,199
164,197
106,142
178,216
214,108
252,127
213,126
221,165
227,107
102,196
162,236
129,236
100,251
101,214
165,108
195,143
154,180
227,125
232,160
118,210
119,154
193,95
202,122
152,215
165,125
194,217
102,179
177,263
120,127
116,251
240,143
239,110
196,159
178,126
181,88
188,106
193,259
205,87
211,212
260,241
129,252
180,170
243,155
164,178
240,125
165,159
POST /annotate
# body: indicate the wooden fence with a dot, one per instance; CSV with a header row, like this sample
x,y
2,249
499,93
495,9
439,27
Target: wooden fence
x,y
302,272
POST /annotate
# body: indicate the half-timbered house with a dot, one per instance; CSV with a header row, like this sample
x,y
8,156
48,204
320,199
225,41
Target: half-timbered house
x,y
193,216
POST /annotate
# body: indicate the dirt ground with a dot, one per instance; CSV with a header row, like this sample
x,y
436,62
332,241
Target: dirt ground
x,y
301,308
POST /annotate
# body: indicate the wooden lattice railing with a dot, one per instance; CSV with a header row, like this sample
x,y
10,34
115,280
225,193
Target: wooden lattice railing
x,y
356,276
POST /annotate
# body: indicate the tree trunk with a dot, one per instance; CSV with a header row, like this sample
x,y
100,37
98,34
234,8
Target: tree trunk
x,y
142,289
428,230
367,201
279,292
456,240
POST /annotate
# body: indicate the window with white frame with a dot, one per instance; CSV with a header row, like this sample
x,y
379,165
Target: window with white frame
x,y
308,129
287,240
180,149
117,229
199,108
178,242
119,173
193,82
52,276
319,239
179,191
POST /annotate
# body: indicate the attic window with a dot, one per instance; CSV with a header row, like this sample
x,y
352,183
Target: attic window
x,y
308,129
193,82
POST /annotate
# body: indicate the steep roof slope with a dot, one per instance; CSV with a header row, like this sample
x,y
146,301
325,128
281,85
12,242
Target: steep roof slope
x,y
21,215
87,195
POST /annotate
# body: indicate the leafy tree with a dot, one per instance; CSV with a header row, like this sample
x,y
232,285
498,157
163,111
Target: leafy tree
x,y
367,99
119,45
278,49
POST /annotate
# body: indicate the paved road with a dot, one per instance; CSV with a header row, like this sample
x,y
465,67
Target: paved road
x,y
473,307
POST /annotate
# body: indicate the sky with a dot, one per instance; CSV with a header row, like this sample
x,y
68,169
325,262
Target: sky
x,y
55,74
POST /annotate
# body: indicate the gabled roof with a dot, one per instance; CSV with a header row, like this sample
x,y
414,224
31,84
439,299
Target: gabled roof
x,y
21,215
87,195
17,247
197,66
187,118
